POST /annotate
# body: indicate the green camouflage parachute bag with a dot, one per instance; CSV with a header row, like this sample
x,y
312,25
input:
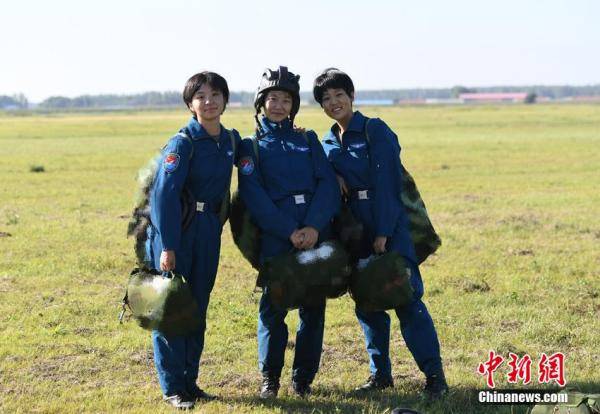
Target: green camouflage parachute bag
x,y
246,234
349,231
381,283
578,403
422,233
305,278
161,303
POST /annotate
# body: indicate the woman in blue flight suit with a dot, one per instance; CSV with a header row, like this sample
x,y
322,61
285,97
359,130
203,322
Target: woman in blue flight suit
x,y
196,162
372,188
291,192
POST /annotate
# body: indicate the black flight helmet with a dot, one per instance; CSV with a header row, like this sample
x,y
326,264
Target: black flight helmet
x,y
281,80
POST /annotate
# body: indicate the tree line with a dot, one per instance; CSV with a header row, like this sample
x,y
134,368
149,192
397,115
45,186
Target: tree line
x,y
173,98
18,101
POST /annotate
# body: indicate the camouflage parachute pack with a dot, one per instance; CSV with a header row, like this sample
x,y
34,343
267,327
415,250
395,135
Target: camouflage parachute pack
x,y
307,277
422,233
578,403
246,234
162,303
381,283
349,231
140,216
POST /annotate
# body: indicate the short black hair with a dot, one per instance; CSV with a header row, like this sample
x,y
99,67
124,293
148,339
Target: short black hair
x,y
332,78
214,80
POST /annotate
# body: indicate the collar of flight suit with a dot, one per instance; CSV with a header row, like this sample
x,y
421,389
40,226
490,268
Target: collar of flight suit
x,y
197,131
357,124
275,127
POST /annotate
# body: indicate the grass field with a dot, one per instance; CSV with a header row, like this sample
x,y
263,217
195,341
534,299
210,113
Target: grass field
x,y
514,192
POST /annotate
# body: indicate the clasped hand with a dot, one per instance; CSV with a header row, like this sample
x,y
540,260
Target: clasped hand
x,y
304,238
167,260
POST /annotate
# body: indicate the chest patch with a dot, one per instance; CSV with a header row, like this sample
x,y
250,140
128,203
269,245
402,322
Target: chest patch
x,y
358,145
171,162
297,148
229,153
246,166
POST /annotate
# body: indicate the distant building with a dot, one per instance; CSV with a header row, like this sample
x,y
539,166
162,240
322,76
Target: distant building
x,y
410,102
374,102
514,97
586,98
442,101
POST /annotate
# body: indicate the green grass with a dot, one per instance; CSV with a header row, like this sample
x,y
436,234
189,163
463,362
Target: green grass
x,y
512,190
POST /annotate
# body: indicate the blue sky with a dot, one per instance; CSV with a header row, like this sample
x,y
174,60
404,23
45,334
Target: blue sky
x,y
68,48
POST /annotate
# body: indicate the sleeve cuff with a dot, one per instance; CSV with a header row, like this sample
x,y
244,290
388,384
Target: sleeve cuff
x,y
169,245
289,229
314,224
384,234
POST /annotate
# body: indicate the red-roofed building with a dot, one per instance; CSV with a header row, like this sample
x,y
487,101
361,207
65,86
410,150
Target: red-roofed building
x,y
492,97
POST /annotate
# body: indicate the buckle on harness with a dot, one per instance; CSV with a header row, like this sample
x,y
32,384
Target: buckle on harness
x,y
299,199
363,194
200,206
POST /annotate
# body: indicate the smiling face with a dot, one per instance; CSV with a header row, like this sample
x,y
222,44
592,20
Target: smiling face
x,y
337,104
278,105
208,103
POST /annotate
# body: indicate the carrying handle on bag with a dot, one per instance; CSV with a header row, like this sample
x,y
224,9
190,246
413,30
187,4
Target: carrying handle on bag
x,y
124,305
172,275
168,274
125,300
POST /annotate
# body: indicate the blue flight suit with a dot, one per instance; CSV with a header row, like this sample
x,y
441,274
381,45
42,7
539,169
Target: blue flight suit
x,y
203,166
374,186
290,186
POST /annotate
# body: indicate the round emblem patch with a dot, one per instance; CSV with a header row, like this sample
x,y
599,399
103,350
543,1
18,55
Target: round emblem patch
x,y
171,162
246,165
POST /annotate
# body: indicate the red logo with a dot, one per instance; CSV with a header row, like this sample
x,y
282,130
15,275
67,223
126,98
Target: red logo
x,y
489,367
520,369
550,368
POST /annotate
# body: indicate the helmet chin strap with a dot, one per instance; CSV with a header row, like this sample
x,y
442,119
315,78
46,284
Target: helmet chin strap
x,y
260,132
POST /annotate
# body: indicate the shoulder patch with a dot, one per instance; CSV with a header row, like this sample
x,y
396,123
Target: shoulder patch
x,y
171,162
246,165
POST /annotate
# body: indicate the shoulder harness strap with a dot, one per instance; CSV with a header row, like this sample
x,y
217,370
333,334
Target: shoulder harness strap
x,y
255,146
367,131
305,135
232,138
186,136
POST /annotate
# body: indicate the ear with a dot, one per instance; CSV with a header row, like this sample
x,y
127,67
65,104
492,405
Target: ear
x,y
352,96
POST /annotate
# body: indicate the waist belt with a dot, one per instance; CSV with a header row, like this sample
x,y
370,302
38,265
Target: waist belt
x,y
205,206
361,194
189,207
295,198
